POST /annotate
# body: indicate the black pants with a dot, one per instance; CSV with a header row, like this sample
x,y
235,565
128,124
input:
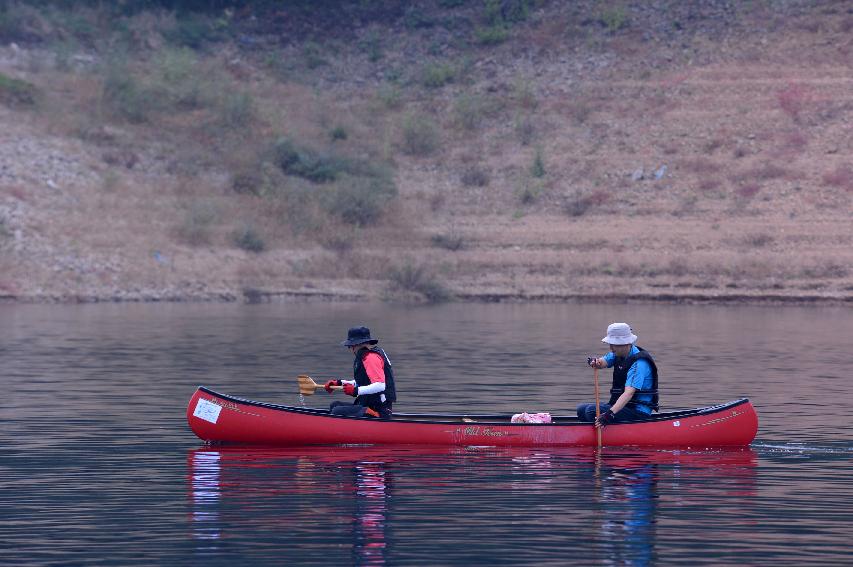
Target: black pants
x,y
357,410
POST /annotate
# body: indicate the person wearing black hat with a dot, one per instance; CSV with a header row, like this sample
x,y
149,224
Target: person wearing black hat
x,y
373,379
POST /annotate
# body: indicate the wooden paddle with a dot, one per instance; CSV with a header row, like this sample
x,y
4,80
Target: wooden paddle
x,y
307,385
597,405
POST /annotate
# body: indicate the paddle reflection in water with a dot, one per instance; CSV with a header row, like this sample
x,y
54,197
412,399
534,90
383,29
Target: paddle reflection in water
x,y
434,505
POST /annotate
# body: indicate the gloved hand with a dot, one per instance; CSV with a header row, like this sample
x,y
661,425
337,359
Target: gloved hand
x,y
605,419
350,390
592,361
589,360
330,383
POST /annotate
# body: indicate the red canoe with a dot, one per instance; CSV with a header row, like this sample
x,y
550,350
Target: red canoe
x,y
222,418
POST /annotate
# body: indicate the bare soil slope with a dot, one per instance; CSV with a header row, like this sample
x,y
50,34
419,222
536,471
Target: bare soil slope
x,y
666,151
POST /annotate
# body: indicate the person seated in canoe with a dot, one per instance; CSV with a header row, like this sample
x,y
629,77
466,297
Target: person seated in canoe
x,y
634,393
373,379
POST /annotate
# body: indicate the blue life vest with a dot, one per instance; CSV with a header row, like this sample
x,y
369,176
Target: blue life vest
x,y
620,376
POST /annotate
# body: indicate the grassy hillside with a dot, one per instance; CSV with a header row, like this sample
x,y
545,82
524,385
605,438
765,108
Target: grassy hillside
x,y
495,150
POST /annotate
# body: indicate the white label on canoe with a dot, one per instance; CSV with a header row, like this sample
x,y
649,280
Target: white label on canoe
x,y
207,411
674,423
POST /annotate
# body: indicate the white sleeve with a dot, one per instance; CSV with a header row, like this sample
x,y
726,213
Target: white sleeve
x,y
374,388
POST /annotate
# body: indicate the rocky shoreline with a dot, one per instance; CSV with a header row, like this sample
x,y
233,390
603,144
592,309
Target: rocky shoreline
x,y
252,296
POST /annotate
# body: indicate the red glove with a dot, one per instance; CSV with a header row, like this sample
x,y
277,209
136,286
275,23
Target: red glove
x,y
350,390
331,383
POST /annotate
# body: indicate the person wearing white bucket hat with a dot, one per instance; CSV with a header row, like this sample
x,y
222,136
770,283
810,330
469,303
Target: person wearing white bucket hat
x,y
634,392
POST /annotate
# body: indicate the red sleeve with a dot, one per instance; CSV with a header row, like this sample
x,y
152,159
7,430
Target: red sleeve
x,y
374,364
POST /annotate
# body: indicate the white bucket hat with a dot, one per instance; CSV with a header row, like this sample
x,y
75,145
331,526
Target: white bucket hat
x,y
619,334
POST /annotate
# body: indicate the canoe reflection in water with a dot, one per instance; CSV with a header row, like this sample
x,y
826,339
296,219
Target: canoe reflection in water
x,y
629,493
371,505
204,487
629,499
366,505
331,492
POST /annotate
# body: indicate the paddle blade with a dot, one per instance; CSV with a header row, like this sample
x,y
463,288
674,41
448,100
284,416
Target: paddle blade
x,y
307,385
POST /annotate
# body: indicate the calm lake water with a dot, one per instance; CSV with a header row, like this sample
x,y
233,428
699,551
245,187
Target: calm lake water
x,y
98,466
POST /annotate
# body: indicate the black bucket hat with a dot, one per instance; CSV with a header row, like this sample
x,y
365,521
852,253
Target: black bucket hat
x,y
358,336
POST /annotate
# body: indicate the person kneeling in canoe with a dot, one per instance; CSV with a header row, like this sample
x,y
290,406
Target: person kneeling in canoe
x,y
373,379
634,393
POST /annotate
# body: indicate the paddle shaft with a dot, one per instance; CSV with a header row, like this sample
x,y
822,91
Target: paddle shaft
x,y
332,387
597,405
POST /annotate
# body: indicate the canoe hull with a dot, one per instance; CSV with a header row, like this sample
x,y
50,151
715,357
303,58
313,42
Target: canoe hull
x,y
221,418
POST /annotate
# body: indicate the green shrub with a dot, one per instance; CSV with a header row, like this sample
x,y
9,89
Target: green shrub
x,y
360,200
475,176
15,92
420,136
469,111
236,110
580,202
614,19
10,24
63,51
247,238
5,231
830,269
180,78
297,204
415,18
194,31
355,190
307,163
500,15
512,10
125,96
313,55
418,279
525,129
391,96
79,27
254,295
338,241
198,220
436,75
538,167
524,95
491,35
577,204
393,74
529,192
452,241
248,182
372,45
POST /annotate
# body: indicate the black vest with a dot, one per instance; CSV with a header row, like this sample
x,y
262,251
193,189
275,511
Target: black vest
x,y
359,374
620,376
